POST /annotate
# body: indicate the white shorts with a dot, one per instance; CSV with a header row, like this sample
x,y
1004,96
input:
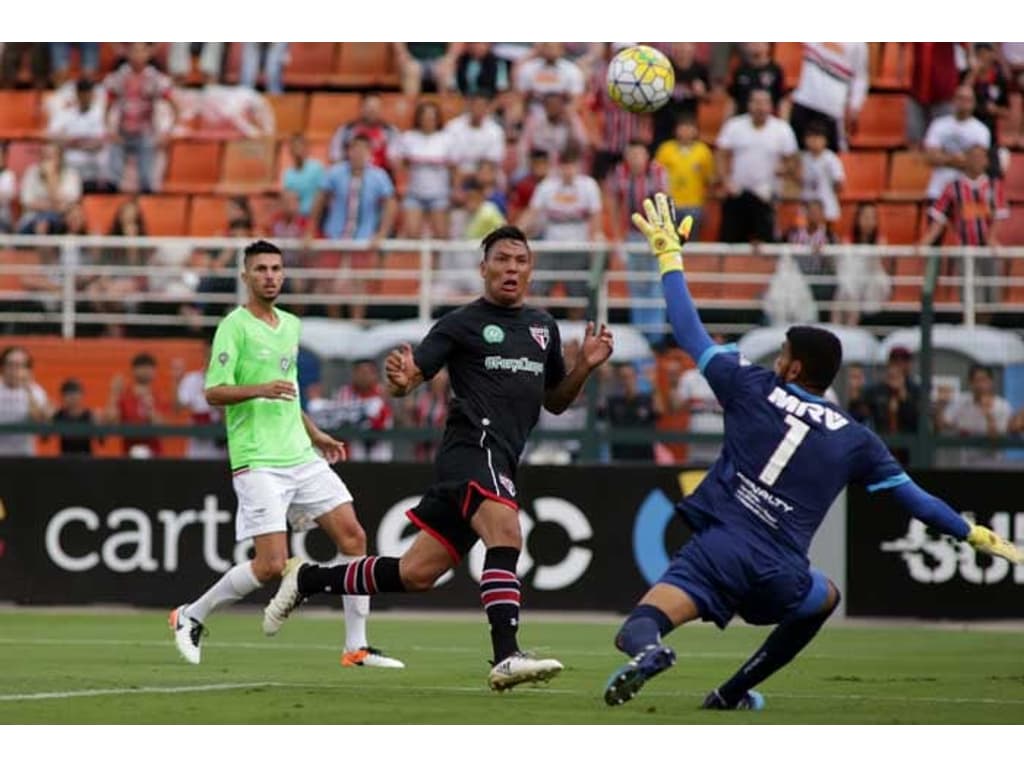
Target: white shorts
x,y
272,498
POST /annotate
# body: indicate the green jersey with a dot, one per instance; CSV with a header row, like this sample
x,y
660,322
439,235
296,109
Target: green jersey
x,y
247,351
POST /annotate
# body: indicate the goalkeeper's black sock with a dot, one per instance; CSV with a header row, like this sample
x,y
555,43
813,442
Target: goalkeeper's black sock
x,y
365,576
645,626
499,592
781,646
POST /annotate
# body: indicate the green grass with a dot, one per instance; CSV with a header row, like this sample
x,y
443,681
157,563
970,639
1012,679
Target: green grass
x,y
848,675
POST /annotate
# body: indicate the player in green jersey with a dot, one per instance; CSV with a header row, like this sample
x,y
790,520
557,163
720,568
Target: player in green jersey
x,y
275,449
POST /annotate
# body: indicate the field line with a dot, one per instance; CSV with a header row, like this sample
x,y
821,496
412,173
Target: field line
x,y
128,691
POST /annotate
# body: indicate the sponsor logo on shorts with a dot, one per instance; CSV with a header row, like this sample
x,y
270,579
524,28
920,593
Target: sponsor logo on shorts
x,y
223,358
507,484
513,364
493,334
541,335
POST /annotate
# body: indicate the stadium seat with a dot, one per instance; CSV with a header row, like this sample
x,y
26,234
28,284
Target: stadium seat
x,y
317,149
707,286
908,267
248,166
898,222
22,154
787,215
759,270
710,224
399,286
1014,180
1010,124
193,166
100,211
365,65
264,208
844,226
908,176
886,73
1012,230
397,109
10,281
310,65
289,112
882,123
207,216
452,105
327,111
21,115
865,175
1015,293
710,117
165,215
790,57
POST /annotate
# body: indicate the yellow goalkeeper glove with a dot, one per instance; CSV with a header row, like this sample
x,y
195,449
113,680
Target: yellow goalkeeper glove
x,y
659,227
991,543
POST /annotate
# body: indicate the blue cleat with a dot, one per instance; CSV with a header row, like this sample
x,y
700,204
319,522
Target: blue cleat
x,y
627,680
751,700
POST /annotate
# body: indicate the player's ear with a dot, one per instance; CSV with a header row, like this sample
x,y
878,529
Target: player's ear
x,y
794,370
483,266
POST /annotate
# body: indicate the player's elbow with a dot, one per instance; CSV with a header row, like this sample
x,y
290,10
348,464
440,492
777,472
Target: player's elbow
x,y
212,396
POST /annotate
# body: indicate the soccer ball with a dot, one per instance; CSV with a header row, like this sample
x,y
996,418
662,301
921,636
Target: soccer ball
x,y
640,79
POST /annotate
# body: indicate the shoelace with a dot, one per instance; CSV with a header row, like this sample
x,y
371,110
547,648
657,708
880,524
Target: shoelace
x,y
197,632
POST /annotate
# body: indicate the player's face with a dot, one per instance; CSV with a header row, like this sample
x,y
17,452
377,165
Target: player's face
x,y
506,271
963,101
264,276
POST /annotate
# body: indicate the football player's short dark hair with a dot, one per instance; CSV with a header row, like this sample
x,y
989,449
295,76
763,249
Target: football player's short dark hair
x,y
143,358
816,128
820,354
980,368
258,247
507,232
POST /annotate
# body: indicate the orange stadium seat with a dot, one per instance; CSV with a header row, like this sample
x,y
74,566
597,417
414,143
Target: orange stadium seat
x,y
165,215
787,215
21,115
886,72
452,105
290,111
22,154
327,111
706,287
310,65
908,176
790,57
1014,180
193,166
844,227
1012,230
248,166
399,286
905,267
365,65
882,123
898,222
710,221
264,207
865,175
100,211
759,269
710,117
208,216
10,281
397,109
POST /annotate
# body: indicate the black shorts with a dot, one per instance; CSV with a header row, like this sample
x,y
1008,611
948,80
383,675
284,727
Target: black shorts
x,y
466,474
747,217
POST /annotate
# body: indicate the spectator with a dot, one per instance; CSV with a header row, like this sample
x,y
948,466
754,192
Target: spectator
x,y
813,231
484,215
48,189
363,405
691,170
181,57
109,292
427,67
978,413
832,88
305,177
458,274
228,112
753,150
856,405
60,60
73,411
692,87
133,91
370,125
190,396
694,395
551,130
80,129
272,56
821,171
475,136
633,181
10,63
361,198
137,404
549,72
991,98
948,139
894,406
974,204
493,182
863,285
522,190
21,400
554,451
933,82
757,70
427,153
8,191
479,71
430,411
618,126
631,409
566,207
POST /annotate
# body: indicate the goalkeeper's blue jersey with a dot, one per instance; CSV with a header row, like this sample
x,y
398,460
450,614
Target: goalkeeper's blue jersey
x,y
786,455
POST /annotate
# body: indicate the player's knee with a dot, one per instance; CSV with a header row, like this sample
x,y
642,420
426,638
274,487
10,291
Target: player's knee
x,y
268,567
417,577
353,540
834,597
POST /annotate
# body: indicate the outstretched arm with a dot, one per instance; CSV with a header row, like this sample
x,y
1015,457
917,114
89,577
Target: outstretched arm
x,y
597,347
667,244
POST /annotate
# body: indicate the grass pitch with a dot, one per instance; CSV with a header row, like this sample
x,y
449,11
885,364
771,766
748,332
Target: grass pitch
x,y
123,669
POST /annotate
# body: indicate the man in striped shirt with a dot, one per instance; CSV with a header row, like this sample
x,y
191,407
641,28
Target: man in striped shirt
x,y
974,204
833,86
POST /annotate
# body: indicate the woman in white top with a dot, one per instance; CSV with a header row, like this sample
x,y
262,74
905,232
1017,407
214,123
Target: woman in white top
x,y
48,190
425,154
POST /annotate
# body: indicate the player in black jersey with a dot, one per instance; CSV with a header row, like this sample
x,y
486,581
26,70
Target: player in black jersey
x,y
505,362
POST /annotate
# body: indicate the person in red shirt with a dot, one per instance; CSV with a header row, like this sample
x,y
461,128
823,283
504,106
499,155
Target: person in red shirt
x,y
522,190
933,81
369,124
133,91
137,403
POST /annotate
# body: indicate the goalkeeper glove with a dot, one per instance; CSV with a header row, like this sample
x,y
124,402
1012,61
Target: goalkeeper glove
x,y
991,543
659,228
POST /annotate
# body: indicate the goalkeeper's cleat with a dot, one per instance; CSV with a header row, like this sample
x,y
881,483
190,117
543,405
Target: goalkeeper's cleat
x,y
188,633
368,656
751,700
627,680
286,599
522,668
991,543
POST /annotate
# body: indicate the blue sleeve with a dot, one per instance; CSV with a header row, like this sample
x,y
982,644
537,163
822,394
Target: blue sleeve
x,y
387,189
686,324
930,510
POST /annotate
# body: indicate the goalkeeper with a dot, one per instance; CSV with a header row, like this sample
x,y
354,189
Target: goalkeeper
x,y
787,454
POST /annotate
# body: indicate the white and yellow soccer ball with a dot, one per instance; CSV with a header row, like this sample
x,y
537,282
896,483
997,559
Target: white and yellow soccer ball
x,y
640,79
